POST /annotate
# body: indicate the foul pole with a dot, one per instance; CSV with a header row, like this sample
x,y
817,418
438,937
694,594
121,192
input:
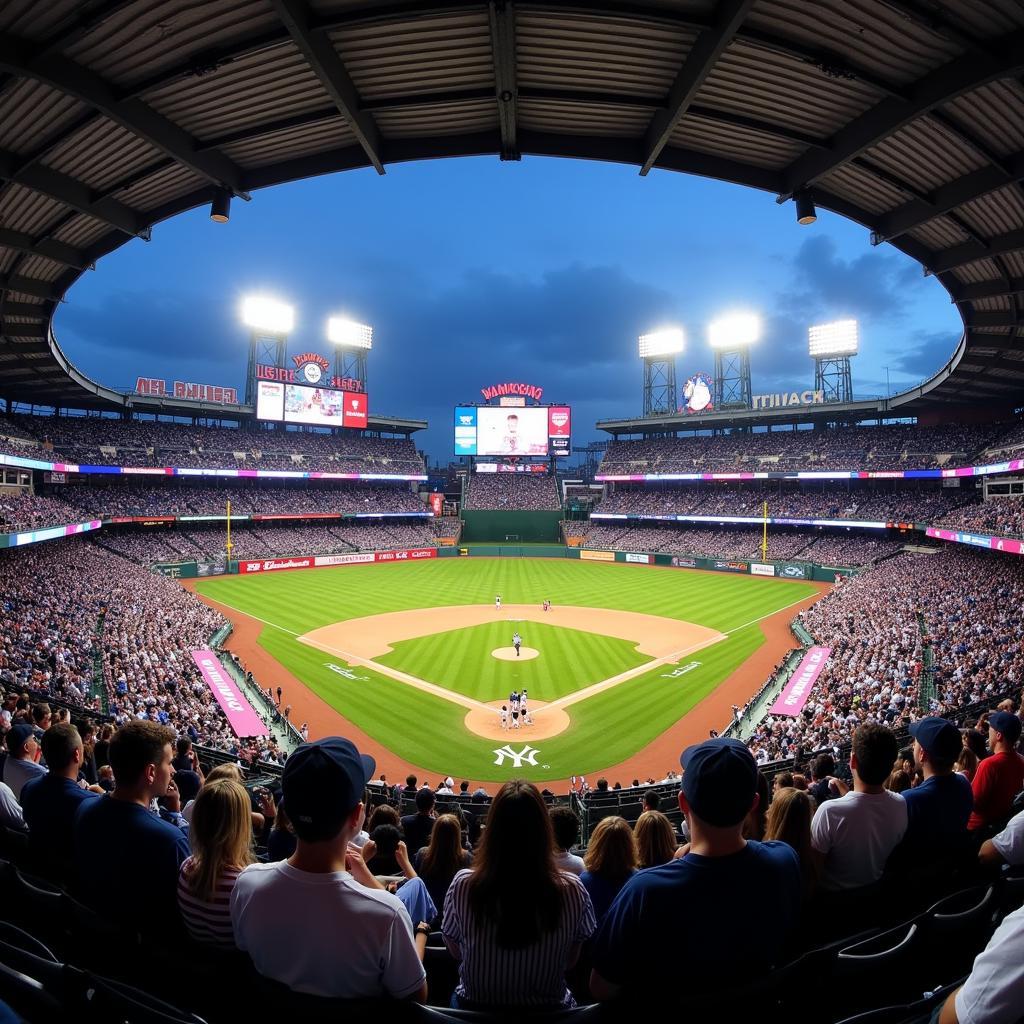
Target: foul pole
x,y
764,535
229,544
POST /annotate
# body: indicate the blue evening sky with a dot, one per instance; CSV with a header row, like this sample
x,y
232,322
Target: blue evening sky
x,y
474,272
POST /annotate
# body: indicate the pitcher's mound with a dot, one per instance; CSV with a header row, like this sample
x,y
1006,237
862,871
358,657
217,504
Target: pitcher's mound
x,y
509,653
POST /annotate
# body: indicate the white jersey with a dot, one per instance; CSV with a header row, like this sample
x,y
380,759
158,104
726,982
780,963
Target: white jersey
x,y
497,602
504,718
516,639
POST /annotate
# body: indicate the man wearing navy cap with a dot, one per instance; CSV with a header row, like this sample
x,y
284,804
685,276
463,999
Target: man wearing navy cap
x,y
697,910
938,809
999,778
21,764
319,922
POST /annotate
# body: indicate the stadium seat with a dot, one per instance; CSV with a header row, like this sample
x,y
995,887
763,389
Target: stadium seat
x,y
957,927
23,953
40,905
28,997
13,845
115,1001
1010,893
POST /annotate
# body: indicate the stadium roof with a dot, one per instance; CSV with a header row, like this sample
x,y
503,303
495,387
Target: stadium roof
x,y
904,115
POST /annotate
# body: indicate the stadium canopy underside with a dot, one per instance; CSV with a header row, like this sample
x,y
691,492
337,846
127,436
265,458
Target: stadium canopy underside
x,y
906,116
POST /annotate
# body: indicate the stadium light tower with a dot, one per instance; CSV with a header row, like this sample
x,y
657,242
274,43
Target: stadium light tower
x,y
731,337
270,322
658,350
352,342
831,346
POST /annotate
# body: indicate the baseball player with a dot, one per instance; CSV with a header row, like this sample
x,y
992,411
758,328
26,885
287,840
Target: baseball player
x,y
517,642
504,716
497,602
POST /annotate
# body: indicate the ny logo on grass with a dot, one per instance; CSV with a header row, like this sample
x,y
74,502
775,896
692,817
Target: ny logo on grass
x,y
527,754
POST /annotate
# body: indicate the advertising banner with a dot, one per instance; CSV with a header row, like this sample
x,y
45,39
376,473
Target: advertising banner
x,y
238,711
683,563
731,566
1005,544
355,558
465,430
436,503
273,564
355,410
597,556
793,572
17,540
758,569
402,556
795,693
639,559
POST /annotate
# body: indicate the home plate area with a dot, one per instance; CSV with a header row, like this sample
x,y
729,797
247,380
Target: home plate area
x,y
509,653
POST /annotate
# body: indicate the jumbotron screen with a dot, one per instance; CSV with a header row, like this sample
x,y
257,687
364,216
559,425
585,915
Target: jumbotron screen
x,y
318,407
512,430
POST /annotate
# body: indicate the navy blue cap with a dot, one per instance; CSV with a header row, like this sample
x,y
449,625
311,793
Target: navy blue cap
x,y
18,736
939,737
719,780
1007,723
323,782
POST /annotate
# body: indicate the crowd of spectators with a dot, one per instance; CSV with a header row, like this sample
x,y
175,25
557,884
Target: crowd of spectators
x,y
22,510
111,441
963,605
999,516
878,447
518,491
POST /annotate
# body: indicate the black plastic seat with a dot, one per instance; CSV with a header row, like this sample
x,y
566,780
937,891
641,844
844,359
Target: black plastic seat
x,y
115,1001
28,998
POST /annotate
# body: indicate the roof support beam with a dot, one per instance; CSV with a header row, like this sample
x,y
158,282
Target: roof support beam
x,y
947,197
969,252
21,57
29,286
322,57
994,289
23,330
71,192
708,47
501,16
47,248
994,318
887,117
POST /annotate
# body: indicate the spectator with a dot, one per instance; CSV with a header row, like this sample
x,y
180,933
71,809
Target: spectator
x,y
10,810
417,827
20,765
281,842
121,845
1000,777
101,752
651,800
789,821
221,840
713,884
655,839
967,765
856,832
438,863
939,808
610,862
319,922
515,922
754,826
822,769
42,717
50,802
566,825
1007,847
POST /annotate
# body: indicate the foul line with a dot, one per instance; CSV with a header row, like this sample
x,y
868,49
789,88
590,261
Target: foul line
x,y
468,702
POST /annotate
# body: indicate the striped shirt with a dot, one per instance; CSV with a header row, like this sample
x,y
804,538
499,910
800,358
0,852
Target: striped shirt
x,y
208,922
531,976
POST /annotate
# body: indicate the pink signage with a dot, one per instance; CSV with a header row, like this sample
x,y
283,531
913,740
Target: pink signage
x,y
795,693
240,715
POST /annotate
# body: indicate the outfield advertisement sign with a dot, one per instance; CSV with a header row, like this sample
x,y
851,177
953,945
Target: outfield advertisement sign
x,y
320,561
978,540
793,572
597,556
731,566
795,693
238,711
758,569
639,559
17,540
683,563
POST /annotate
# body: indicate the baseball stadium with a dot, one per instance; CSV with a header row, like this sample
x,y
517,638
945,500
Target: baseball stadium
x,y
326,728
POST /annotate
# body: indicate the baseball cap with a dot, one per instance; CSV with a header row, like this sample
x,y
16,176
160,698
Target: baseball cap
x,y
719,780
1006,723
323,781
938,737
18,736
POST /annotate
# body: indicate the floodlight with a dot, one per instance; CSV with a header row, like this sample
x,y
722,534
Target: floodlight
x,y
838,338
664,342
805,212
735,331
349,333
220,208
264,314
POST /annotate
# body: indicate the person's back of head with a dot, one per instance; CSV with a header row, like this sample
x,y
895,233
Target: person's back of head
x,y
410,782
789,821
651,800
183,746
220,835
873,753
515,881
720,789
824,766
385,814
41,715
464,787
655,839
137,750
602,785
444,855
784,780
612,851
62,746
425,800
566,825
229,771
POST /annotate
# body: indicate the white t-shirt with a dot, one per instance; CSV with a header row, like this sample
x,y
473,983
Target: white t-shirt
x,y
856,833
10,809
994,993
327,934
1010,842
567,861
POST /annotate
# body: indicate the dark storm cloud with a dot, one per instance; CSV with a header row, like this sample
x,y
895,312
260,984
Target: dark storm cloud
x,y
924,354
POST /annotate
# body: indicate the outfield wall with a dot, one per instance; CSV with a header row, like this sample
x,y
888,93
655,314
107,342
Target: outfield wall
x,y
541,527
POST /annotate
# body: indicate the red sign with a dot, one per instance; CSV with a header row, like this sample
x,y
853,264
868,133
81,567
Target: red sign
x,y
276,564
527,390
186,389
289,376
402,556
437,503
559,421
273,564
355,411
311,357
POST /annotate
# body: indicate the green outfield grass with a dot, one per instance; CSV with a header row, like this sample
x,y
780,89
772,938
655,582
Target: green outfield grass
x,y
428,731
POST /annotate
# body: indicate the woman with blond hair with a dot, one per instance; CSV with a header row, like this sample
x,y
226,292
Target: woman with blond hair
x,y
789,821
610,861
221,839
439,862
655,839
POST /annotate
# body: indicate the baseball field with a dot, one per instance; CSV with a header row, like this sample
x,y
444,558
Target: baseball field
x,y
414,661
